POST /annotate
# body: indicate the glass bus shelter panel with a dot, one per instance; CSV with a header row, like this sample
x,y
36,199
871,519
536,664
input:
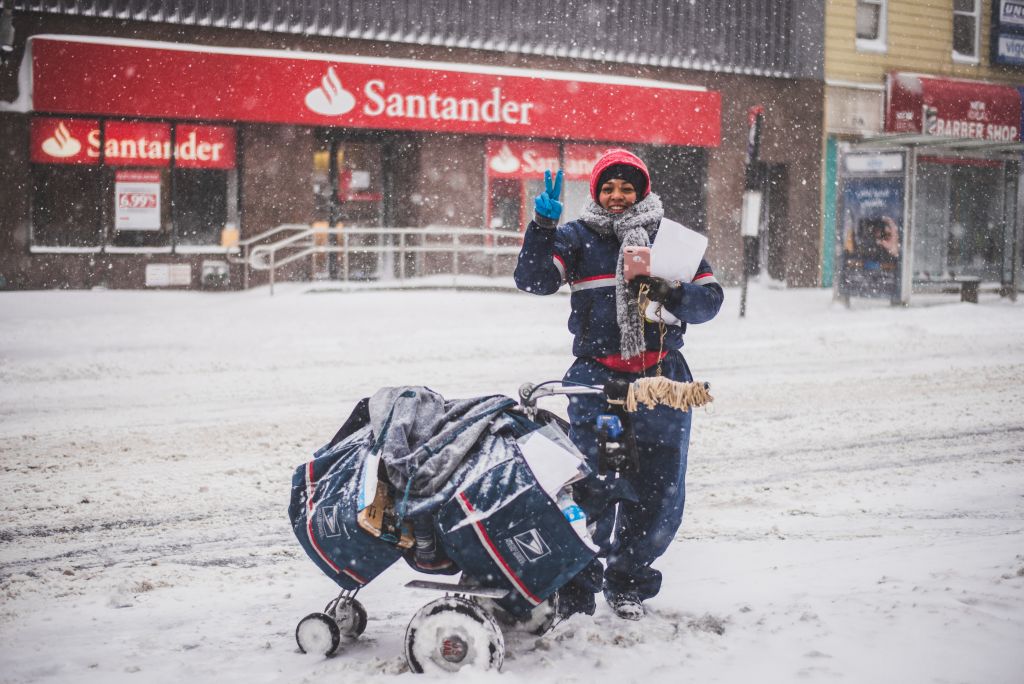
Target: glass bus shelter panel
x,y
960,223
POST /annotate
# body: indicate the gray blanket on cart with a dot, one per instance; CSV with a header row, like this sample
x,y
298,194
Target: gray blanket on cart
x,y
424,439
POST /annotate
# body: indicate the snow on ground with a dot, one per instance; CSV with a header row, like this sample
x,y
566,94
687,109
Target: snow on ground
x,y
855,508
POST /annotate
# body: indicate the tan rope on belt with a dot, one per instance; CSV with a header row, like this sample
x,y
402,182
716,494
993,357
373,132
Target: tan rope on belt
x,y
660,390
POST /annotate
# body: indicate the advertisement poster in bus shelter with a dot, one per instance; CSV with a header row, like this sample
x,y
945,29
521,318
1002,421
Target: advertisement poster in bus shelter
x,y
869,249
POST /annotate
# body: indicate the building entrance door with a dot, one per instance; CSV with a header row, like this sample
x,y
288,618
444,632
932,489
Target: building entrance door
x,y
348,186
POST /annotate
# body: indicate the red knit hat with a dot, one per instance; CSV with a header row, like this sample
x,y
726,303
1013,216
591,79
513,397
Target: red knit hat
x,y
616,157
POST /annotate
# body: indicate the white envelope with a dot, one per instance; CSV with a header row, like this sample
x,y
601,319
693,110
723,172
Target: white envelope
x,y
675,255
552,464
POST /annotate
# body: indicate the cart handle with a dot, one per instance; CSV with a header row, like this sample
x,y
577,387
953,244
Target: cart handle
x,y
649,392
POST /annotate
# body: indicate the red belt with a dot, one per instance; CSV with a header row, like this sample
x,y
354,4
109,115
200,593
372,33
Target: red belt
x,y
633,364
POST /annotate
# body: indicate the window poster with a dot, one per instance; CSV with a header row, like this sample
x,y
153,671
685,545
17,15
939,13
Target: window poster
x,y
137,200
870,235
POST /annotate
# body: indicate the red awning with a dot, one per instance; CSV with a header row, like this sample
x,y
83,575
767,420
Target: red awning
x,y
126,78
952,108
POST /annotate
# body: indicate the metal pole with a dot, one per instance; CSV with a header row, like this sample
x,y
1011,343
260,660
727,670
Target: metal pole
x,y
245,267
750,222
764,211
273,258
1015,236
906,252
455,253
344,255
333,207
401,255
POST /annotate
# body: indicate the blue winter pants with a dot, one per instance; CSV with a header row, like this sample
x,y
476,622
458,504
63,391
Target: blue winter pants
x,y
634,533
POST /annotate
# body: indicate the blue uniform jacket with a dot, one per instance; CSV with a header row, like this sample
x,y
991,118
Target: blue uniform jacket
x,y
575,254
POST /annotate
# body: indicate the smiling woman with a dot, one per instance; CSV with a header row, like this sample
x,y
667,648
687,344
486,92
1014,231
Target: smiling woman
x,y
614,342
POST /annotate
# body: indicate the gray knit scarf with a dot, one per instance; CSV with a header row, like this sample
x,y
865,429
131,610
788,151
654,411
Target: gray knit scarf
x,y
633,228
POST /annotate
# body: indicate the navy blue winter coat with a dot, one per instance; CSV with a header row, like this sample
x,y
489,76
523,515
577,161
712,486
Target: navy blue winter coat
x,y
586,260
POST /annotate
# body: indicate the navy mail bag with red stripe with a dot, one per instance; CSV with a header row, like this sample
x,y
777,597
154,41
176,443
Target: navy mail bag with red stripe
x,y
323,509
495,521
505,531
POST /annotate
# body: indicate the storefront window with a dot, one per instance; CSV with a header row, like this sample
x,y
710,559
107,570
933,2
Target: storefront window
x,y
515,175
66,180
117,185
200,209
61,216
204,196
506,204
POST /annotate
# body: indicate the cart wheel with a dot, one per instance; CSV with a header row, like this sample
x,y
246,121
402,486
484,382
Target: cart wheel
x,y
539,622
350,616
451,633
318,633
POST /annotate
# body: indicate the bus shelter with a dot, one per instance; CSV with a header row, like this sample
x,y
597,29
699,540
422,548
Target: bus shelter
x,y
922,212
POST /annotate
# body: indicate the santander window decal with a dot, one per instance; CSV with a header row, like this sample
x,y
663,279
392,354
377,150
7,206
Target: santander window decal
x,y
133,143
514,159
61,141
580,160
78,141
62,144
504,162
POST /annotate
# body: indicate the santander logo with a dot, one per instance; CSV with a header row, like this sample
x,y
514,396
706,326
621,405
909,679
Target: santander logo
x,y
415,100
505,161
331,98
62,144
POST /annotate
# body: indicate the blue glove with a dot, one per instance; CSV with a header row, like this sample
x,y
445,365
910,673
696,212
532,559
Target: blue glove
x,y
547,204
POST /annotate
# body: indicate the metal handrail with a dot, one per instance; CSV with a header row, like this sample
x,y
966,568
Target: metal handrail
x,y
284,227
302,244
238,253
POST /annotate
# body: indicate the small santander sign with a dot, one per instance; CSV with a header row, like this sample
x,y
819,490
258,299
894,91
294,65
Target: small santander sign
x,y
131,143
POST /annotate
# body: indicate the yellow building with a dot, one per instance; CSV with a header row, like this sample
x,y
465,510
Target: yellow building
x,y
943,75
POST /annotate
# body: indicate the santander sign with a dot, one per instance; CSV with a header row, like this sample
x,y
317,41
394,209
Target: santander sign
x,y
518,159
61,144
331,98
129,79
78,141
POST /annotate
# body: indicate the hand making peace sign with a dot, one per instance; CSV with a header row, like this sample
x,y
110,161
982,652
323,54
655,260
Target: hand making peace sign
x,y
546,204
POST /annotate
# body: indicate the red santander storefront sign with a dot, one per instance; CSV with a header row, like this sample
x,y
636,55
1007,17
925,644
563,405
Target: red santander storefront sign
x,y
952,108
131,143
516,159
77,75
